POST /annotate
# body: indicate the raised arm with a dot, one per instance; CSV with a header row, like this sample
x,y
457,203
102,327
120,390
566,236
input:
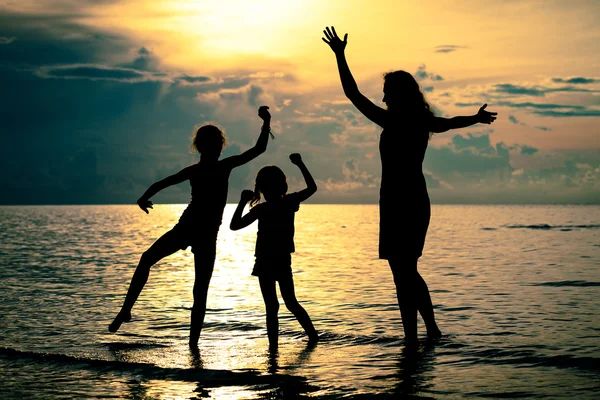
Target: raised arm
x,y
144,201
360,101
261,144
311,186
439,124
239,222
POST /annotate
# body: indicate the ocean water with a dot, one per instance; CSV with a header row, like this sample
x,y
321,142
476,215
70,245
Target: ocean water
x,y
516,291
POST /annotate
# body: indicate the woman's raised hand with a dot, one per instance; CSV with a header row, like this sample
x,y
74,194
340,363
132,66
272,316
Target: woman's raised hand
x,y
485,117
333,40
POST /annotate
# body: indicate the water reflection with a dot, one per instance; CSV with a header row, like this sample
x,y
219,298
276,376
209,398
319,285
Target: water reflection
x,y
414,370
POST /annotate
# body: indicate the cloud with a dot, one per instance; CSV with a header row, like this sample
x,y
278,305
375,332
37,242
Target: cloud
x,y
6,40
527,150
448,48
145,61
116,74
568,113
514,120
421,74
93,72
536,91
576,80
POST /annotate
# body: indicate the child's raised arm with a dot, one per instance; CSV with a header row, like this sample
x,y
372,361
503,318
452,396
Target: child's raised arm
x,y
261,144
144,201
311,186
239,222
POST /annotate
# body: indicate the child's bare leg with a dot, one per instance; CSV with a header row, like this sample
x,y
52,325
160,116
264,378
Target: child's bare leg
x,y
163,247
267,288
286,285
204,263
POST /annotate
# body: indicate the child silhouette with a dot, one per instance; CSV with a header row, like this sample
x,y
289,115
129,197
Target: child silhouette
x,y
199,224
275,241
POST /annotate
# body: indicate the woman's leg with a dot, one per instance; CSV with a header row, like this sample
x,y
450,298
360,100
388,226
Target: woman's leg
x,y
425,308
164,246
413,294
267,288
286,285
204,263
405,280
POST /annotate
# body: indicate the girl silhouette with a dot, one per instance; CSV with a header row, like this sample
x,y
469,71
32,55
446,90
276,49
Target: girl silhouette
x,y
275,241
199,224
404,202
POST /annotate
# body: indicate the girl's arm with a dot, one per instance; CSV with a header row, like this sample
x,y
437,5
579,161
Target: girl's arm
x,y
311,186
144,201
239,222
261,144
364,105
439,124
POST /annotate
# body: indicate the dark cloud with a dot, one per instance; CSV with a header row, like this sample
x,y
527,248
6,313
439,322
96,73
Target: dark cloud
x,y
569,113
92,72
513,119
145,61
467,158
50,40
194,79
448,48
576,80
421,74
76,130
536,91
527,150
6,40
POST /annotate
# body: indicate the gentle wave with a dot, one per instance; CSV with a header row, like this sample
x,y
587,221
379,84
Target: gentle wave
x,y
532,358
548,227
208,377
565,284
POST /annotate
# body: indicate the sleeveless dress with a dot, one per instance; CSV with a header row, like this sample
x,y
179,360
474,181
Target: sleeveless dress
x,y
404,207
199,224
275,237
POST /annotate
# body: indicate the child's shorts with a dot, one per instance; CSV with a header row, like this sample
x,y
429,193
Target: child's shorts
x,y
273,266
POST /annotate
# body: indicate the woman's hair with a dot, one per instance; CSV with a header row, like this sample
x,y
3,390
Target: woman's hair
x,y
209,136
269,179
404,89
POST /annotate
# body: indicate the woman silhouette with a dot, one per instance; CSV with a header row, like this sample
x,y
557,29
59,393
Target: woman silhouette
x,y
404,207
199,224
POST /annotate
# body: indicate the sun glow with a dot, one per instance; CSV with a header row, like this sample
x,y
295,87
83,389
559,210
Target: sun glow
x,y
213,29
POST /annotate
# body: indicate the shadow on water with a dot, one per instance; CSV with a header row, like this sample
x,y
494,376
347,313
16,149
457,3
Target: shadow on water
x,y
412,372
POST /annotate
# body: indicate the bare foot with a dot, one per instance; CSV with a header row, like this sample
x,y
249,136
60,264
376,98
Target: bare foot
x,y
121,317
434,333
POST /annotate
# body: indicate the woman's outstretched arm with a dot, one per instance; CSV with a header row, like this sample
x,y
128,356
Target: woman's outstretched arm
x,y
261,144
144,201
439,124
360,101
311,185
239,222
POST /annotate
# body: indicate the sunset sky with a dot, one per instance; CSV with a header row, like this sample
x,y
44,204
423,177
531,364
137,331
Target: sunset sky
x,y
100,98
